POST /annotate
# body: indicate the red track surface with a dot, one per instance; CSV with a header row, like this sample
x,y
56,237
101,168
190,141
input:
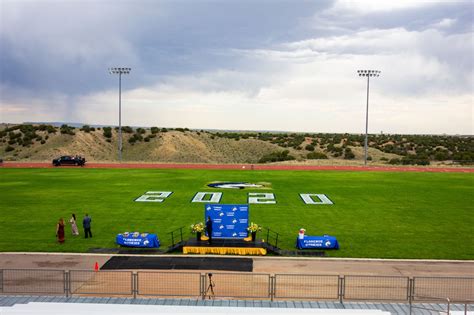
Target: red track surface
x,y
253,166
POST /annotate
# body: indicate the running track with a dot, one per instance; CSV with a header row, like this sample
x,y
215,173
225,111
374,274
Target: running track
x,y
252,167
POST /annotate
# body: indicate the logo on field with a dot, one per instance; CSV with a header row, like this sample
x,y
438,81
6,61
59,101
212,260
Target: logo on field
x,y
235,185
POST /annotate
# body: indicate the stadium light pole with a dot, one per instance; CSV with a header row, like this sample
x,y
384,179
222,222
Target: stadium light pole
x,y
368,74
120,71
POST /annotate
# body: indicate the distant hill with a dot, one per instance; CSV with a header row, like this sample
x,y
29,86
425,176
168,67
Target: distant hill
x,y
42,142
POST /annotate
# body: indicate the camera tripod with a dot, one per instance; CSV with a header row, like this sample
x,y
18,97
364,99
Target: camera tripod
x,y
210,288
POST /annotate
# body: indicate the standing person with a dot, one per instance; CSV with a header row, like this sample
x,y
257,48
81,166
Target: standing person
x,y
86,223
209,229
60,231
74,229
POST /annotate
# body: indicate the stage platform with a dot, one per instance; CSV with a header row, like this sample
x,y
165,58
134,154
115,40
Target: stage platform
x,y
225,247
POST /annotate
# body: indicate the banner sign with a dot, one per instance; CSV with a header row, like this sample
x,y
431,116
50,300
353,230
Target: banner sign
x,y
138,239
319,242
229,221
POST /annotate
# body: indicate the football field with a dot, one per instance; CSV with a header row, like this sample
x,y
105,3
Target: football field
x,y
374,214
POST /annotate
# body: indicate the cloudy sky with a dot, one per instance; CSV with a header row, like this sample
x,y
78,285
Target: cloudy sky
x,y
240,64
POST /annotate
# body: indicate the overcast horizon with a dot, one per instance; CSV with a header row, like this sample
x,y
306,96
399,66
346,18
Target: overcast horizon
x,y
241,65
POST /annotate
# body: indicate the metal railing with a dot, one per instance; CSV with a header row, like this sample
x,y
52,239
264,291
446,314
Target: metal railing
x,y
271,237
446,301
237,285
429,308
176,236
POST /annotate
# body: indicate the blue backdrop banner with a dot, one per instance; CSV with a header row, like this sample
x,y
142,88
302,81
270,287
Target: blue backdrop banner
x,y
228,221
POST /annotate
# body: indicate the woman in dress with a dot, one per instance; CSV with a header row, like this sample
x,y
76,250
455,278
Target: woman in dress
x,y
74,229
60,231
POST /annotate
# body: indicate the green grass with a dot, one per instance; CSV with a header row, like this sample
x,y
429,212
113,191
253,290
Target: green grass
x,y
376,214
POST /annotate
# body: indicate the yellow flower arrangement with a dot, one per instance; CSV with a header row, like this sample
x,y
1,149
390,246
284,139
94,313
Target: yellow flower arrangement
x,y
254,227
197,227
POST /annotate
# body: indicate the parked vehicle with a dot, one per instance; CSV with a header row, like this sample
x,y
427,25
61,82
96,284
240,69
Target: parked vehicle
x,y
69,160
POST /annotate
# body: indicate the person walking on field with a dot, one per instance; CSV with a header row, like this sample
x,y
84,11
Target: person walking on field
x,y
60,231
74,229
86,223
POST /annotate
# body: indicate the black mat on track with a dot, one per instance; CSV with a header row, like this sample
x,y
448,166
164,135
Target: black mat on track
x,y
179,263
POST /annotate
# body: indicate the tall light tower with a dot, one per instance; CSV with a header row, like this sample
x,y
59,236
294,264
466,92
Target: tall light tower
x,y
368,74
120,71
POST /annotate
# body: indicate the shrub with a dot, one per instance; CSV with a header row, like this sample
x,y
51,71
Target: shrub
x,y
13,135
394,161
276,156
67,130
136,137
155,130
43,141
309,147
108,132
316,156
127,129
50,129
86,128
441,156
9,148
348,154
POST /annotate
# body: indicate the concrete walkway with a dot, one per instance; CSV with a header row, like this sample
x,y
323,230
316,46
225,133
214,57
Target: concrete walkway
x,y
290,306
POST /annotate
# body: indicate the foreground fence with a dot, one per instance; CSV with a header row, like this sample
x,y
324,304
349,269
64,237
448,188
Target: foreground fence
x,y
235,285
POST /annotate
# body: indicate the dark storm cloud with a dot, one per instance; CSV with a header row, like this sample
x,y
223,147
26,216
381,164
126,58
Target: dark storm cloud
x,y
53,46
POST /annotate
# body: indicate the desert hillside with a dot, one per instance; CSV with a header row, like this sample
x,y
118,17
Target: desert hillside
x,y
45,142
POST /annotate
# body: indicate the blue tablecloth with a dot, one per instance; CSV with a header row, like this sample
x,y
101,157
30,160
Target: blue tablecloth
x,y
142,240
320,242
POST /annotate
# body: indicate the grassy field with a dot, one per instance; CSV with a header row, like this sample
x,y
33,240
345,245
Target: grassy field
x,y
375,214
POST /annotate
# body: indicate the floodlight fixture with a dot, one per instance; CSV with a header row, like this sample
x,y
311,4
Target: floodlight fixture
x,y
368,74
120,71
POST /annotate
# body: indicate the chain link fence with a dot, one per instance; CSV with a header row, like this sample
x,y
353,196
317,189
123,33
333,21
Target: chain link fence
x,y
174,284
33,281
376,288
443,287
235,285
315,287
